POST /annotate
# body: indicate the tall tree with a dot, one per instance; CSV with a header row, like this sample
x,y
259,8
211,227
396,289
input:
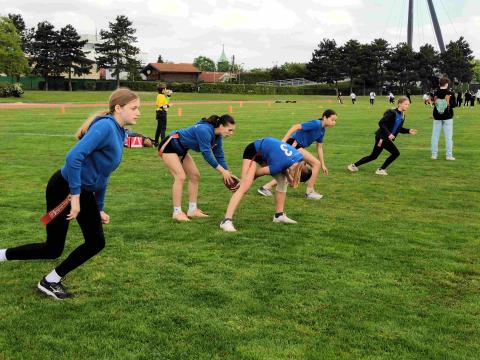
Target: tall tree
x,y
476,70
427,61
72,58
25,34
223,66
456,61
294,70
12,58
351,60
401,65
44,51
325,65
204,63
116,49
379,52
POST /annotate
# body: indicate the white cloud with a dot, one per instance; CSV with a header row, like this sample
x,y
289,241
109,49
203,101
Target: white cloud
x,y
339,4
331,17
268,15
174,8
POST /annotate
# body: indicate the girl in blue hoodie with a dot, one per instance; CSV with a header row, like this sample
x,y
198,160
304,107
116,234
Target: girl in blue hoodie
x,y
77,191
206,136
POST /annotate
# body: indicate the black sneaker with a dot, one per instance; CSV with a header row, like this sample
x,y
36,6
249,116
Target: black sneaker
x,y
56,290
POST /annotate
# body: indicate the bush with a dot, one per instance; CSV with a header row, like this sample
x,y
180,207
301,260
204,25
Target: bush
x,y
11,90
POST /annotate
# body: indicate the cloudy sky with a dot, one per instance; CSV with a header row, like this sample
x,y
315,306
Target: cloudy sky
x,y
260,33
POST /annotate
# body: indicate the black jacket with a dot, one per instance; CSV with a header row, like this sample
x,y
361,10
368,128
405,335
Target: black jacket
x,y
448,113
387,122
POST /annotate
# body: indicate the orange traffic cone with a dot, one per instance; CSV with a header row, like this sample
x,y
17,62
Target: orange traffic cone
x,y
62,110
180,112
230,109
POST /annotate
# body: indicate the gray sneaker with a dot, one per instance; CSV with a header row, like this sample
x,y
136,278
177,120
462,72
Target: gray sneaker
x,y
313,195
264,191
283,219
352,168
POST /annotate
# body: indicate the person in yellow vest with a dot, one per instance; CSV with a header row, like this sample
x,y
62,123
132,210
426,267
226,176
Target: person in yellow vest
x,y
162,104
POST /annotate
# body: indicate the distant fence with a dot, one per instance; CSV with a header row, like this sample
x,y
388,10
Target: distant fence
x,y
287,82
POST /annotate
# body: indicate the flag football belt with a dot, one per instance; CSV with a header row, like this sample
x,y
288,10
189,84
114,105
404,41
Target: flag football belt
x,y
52,214
162,149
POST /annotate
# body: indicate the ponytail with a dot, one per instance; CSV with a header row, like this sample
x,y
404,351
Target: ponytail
x,y
82,130
216,120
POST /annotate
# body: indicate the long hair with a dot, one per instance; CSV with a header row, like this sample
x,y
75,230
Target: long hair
x,y
121,96
216,120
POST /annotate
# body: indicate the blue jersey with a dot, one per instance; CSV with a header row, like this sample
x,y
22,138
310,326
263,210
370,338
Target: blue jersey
x,y
310,132
278,154
201,138
90,162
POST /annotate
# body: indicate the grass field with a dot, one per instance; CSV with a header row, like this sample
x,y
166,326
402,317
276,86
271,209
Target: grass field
x,y
381,268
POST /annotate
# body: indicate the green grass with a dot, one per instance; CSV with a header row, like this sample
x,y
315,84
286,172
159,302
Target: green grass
x,y
381,268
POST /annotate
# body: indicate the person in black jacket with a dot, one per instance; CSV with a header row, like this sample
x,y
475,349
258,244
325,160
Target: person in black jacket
x,y
389,126
444,102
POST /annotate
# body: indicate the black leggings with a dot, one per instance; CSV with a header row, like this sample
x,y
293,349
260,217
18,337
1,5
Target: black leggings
x,y
88,219
381,144
161,125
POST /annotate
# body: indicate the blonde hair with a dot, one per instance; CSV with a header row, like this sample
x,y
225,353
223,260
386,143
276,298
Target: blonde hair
x,y
402,99
121,96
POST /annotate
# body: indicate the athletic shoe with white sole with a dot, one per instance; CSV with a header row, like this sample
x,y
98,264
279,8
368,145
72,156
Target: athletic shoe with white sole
x,y
381,172
450,158
352,168
227,225
264,191
313,195
283,219
56,290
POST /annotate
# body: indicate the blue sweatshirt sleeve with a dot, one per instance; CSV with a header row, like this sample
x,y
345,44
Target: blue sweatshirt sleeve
x,y
100,197
311,125
92,140
204,139
219,154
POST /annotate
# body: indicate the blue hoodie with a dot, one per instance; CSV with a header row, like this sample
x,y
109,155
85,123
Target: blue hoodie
x,y
94,157
278,155
201,138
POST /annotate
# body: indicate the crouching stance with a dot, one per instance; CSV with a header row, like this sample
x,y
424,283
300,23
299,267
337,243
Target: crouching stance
x,y
206,137
77,191
276,158
301,136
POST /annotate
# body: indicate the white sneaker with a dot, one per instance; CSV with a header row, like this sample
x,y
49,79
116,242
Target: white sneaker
x,y
381,172
264,191
313,195
352,168
434,157
283,219
450,158
227,226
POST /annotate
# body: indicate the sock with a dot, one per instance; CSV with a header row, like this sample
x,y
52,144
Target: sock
x,y
3,254
309,190
226,219
177,210
53,277
192,206
277,215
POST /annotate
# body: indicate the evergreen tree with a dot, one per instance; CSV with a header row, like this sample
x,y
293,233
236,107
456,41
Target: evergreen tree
x,y
12,58
427,61
71,56
401,65
116,49
204,63
456,61
377,55
351,60
325,65
223,66
160,59
44,51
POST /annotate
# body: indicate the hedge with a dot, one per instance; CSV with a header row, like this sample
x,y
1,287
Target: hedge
x,y
10,90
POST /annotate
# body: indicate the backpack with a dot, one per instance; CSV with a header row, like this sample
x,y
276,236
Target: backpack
x,y
442,104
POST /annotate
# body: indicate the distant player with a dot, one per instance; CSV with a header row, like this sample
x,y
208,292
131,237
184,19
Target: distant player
x,y
372,97
354,97
302,136
276,158
391,98
389,126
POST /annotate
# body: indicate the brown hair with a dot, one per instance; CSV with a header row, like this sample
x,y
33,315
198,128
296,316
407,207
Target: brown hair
x,y
402,99
444,81
121,96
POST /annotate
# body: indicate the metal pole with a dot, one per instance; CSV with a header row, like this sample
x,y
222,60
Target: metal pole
x,y
436,26
410,24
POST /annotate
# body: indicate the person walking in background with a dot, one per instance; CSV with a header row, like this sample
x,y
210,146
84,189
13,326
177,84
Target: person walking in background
x,y
459,98
391,98
372,97
354,97
408,94
77,191
472,99
390,126
444,102
162,104
477,95
467,98
339,98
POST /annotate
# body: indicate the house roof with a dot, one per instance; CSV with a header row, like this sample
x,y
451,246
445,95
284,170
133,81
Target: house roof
x,y
211,77
173,68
